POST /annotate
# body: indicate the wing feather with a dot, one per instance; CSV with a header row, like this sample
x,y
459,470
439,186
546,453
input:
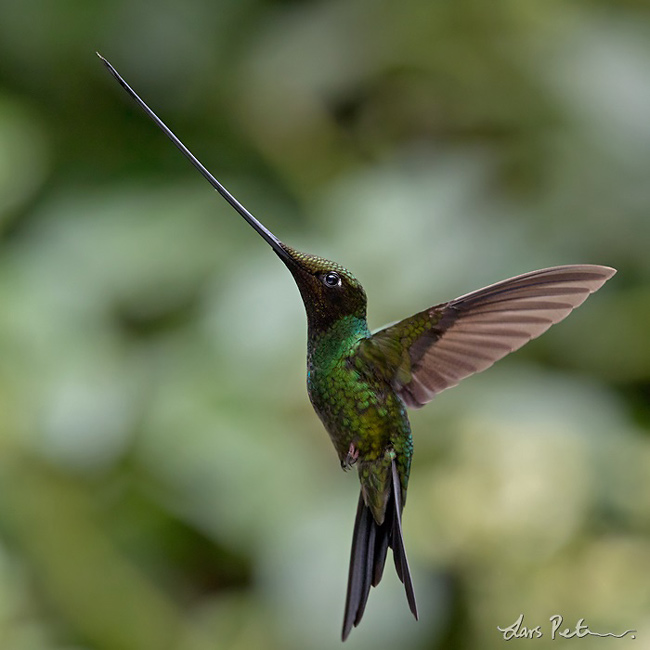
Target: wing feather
x,y
449,342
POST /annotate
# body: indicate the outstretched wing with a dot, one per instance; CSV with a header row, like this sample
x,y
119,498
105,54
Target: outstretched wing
x,y
435,349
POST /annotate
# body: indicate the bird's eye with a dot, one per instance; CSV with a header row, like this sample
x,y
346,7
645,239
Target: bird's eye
x,y
332,279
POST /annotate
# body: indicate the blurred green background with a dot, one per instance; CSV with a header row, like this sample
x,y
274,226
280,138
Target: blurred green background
x,y
164,482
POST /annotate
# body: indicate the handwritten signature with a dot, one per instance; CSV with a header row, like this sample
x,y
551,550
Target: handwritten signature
x,y
518,630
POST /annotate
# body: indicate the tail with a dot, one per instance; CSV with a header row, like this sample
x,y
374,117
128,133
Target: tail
x,y
370,543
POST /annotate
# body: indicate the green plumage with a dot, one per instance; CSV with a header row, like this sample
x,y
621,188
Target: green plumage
x,y
349,380
359,408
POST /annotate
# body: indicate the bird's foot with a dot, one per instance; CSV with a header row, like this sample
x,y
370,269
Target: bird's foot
x,y
351,457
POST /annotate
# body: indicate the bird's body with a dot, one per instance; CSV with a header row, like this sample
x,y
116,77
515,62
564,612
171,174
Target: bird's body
x,y
361,383
364,417
353,395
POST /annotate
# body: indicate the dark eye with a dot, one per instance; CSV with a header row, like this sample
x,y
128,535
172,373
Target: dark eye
x,y
332,279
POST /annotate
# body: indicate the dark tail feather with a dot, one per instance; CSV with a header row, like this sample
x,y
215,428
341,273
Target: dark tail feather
x,y
380,559
370,543
397,544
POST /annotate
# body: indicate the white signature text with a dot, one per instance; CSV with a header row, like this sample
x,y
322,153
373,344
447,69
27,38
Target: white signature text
x,y
518,630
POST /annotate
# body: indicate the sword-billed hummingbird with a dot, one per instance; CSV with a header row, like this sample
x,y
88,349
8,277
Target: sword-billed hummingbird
x,y
360,382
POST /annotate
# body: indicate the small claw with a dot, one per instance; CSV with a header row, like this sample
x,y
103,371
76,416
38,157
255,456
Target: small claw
x,y
351,457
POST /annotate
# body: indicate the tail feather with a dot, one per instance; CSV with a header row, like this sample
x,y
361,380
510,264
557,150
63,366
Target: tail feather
x,y
399,551
368,570
370,544
381,549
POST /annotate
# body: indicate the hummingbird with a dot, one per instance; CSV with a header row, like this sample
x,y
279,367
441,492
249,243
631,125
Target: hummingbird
x,y
361,383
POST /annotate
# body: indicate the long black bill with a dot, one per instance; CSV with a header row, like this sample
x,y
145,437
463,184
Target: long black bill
x,y
265,233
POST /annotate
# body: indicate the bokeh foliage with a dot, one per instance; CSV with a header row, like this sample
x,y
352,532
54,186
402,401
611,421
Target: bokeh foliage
x,y
164,483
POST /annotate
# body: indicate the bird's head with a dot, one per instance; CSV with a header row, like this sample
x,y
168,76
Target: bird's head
x,y
329,291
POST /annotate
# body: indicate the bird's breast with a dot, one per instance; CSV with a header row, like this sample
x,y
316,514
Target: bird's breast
x,y
355,408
